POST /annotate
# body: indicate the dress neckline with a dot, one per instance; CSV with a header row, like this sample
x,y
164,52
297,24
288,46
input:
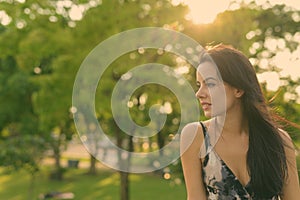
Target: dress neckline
x,y
230,171
206,134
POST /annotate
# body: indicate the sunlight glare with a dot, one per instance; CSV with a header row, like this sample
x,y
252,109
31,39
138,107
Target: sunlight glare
x,y
4,18
204,12
271,79
76,12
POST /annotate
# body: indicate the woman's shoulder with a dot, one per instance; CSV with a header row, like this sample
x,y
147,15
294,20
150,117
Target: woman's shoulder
x,y
194,128
192,135
284,135
190,130
286,138
287,142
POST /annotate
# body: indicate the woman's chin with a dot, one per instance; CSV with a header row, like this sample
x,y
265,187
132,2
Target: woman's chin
x,y
207,114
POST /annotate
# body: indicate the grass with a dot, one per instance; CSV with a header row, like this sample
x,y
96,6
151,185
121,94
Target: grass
x,y
104,186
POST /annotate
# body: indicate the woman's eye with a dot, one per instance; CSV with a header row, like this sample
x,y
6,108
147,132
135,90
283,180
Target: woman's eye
x,y
210,85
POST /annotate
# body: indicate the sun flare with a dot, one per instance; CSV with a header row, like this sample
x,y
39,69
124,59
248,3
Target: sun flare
x,y
204,12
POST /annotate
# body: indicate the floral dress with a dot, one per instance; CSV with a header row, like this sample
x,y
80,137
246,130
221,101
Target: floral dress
x,y
219,180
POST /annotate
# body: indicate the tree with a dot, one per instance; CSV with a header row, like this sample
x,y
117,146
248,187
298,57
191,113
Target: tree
x,y
22,146
36,51
130,15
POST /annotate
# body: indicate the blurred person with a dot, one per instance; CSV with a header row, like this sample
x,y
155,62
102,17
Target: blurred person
x,y
239,152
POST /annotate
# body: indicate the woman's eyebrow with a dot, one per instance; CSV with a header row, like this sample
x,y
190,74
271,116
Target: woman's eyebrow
x,y
207,79
210,78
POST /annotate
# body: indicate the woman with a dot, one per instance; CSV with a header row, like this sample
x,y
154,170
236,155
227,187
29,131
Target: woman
x,y
238,153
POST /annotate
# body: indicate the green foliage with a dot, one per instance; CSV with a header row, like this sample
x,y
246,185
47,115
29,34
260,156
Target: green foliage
x,y
18,130
15,157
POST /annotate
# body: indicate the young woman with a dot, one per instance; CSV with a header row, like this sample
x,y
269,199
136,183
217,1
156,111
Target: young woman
x,y
238,153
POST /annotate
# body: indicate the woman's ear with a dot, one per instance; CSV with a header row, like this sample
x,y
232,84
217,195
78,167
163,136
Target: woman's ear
x,y
238,93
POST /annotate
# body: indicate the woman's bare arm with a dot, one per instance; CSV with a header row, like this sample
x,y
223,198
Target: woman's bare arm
x,y
291,190
190,143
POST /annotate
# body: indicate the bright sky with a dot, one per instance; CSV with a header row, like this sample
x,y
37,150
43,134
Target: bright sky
x,y
205,11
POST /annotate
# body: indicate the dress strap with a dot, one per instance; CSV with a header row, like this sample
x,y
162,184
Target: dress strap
x,y
203,129
207,145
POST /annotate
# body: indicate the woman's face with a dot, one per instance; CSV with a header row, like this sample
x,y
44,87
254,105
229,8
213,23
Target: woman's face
x,y
215,96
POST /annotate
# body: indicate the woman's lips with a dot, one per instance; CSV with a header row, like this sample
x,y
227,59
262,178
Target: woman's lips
x,y
205,106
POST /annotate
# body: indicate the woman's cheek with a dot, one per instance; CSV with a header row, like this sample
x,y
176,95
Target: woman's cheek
x,y
218,101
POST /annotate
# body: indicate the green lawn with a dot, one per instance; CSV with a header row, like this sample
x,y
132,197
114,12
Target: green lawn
x,y
103,186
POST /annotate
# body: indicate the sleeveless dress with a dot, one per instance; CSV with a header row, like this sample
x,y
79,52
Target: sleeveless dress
x,y
219,181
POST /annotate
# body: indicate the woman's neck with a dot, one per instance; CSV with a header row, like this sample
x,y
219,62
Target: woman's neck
x,y
233,123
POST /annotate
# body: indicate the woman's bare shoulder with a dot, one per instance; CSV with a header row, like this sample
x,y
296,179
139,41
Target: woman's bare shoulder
x,y
190,130
191,136
285,137
194,129
289,146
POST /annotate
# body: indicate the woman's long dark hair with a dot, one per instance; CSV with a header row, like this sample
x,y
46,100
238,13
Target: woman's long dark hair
x,y
266,160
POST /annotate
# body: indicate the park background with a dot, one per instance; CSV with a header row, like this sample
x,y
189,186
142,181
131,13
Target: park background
x,y
42,45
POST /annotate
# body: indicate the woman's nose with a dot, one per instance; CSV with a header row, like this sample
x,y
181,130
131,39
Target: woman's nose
x,y
200,93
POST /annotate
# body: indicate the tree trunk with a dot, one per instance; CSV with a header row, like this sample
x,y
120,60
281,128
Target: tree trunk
x,y
58,172
92,169
124,182
160,142
124,185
